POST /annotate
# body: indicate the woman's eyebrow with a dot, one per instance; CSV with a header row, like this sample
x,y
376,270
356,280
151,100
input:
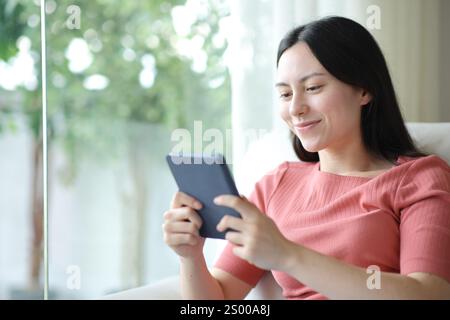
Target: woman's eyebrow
x,y
303,79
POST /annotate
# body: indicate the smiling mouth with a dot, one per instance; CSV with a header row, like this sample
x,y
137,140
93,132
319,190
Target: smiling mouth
x,y
308,127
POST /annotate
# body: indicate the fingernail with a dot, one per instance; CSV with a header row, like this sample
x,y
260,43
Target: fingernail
x,y
198,205
217,200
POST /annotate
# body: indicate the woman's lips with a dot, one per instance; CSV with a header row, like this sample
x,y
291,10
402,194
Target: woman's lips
x,y
310,125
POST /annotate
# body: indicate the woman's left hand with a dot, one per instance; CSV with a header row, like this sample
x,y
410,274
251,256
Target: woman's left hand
x,y
255,236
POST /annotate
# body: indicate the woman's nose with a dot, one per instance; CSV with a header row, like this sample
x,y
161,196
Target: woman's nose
x,y
297,106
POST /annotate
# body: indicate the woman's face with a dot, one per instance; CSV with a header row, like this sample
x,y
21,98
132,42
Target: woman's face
x,y
308,92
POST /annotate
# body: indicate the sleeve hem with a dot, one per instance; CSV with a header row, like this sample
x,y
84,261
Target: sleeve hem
x,y
252,282
426,266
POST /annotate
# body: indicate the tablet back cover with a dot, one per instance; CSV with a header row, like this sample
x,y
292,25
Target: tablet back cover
x,y
204,178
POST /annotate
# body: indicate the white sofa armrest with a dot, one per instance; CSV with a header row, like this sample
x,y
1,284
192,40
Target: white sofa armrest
x,y
165,289
169,289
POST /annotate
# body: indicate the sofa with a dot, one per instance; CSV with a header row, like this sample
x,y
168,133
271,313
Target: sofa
x,y
275,148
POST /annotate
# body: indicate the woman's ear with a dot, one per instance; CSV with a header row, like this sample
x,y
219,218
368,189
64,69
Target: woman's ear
x,y
366,97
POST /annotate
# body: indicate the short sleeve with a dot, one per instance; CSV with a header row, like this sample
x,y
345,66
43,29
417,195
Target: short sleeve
x,y
260,197
423,197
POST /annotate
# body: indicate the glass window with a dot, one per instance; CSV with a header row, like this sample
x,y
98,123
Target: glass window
x,y
122,76
21,229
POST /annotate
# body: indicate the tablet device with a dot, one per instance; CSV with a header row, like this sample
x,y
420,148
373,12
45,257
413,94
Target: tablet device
x,y
204,178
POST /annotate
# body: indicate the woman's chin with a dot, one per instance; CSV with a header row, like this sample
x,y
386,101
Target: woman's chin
x,y
310,144
312,148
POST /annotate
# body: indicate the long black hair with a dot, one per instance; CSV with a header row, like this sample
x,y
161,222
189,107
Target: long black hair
x,y
350,53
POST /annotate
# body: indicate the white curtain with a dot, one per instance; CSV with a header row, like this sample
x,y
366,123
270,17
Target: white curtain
x,y
413,35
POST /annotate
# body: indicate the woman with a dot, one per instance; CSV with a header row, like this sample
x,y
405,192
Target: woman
x,y
363,195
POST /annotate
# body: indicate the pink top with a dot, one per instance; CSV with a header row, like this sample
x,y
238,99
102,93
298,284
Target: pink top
x,y
398,220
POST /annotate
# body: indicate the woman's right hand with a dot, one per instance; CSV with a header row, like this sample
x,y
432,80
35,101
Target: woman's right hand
x,y
181,226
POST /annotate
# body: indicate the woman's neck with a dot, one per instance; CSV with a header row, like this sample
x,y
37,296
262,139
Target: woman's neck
x,y
351,161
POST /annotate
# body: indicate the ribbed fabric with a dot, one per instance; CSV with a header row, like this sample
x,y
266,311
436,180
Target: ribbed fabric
x,y
398,220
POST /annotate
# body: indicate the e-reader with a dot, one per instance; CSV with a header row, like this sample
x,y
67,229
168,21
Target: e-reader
x,y
204,178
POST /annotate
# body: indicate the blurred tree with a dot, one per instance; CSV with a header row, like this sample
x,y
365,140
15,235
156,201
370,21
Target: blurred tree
x,y
10,29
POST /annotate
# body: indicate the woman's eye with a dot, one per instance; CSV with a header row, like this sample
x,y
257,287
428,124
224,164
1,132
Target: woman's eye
x,y
285,95
313,88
